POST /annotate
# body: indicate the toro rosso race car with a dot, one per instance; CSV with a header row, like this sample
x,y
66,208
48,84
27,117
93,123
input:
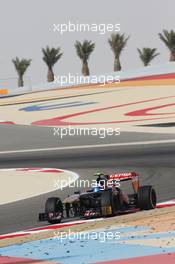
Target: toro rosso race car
x,y
104,200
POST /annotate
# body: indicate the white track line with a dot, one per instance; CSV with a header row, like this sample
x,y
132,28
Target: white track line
x,y
153,142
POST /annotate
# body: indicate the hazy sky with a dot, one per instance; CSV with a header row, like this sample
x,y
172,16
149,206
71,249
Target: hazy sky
x,y
27,25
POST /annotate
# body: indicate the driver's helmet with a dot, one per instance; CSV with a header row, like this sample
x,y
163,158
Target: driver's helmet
x,y
101,179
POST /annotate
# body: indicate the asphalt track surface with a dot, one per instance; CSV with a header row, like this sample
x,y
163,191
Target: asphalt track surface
x,y
155,163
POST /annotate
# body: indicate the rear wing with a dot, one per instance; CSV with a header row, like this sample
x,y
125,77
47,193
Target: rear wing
x,y
126,176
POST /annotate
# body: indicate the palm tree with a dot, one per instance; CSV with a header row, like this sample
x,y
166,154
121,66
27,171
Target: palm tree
x,y
147,55
21,67
117,43
84,51
50,57
168,38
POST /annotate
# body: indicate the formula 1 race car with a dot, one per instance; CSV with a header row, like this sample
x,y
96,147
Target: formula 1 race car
x,y
104,200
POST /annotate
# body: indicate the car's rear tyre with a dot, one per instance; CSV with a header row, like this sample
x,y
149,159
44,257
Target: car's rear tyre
x,y
146,198
54,205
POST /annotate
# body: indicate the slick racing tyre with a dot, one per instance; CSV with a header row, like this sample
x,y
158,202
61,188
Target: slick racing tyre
x,y
54,205
146,198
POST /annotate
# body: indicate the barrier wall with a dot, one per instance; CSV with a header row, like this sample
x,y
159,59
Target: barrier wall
x,y
12,90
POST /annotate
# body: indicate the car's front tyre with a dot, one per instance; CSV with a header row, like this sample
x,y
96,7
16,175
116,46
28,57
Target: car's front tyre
x,y
54,206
